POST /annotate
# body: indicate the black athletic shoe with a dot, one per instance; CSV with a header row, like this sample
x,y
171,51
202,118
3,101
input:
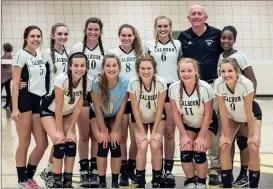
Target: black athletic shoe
x,y
141,186
241,181
162,179
132,175
169,179
124,179
67,185
103,185
155,185
115,185
94,179
214,180
84,179
58,184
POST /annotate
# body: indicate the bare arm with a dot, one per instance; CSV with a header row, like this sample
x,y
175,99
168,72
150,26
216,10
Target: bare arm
x,y
249,73
223,116
158,115
208,109
98,112
177,118
120,113
16,76
249,113
59,100
136,112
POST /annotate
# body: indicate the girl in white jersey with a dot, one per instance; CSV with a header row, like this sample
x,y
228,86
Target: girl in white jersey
x,y
192,106
92,47
234,94
147,93
228,38
57,57
109,95
127,53
60,110
166,51
28,66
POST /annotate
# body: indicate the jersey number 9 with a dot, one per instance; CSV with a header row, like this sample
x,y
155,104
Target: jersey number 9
x,y
232,106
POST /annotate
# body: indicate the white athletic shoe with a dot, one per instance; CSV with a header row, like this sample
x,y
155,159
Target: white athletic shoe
x,y
190,185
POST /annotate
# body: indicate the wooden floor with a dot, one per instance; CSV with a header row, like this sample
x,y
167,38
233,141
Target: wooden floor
x,y
9,144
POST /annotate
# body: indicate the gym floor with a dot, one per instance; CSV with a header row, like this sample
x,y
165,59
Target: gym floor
x,y
9,144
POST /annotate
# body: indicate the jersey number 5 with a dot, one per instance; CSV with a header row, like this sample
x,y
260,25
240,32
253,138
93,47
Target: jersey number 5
x,y
41,70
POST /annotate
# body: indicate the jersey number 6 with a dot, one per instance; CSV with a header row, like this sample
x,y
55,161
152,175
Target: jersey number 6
x,y
163,57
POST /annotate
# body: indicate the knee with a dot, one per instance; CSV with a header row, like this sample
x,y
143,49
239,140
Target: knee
x,y
241,142
59,151
84,138
225,147
123,139
70,149
102,152
42,146
253,149
115,151
186,156
199,157
155,147
24,144
142,148
169,135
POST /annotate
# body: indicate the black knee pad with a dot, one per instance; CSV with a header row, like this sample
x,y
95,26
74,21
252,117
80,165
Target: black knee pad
x,y
186,156
199,157
241,142
70,149
59,151
115,151
102,152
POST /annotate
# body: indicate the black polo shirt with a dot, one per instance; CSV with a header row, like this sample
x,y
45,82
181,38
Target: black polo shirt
x,y
205,49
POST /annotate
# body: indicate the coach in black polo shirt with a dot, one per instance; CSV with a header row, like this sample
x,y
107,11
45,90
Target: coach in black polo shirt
x,y
202,43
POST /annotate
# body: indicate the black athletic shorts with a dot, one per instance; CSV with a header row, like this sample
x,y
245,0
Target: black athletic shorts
x,y
213,127
167,96
44,111
106,119
128,108
256,110
28,101
87,100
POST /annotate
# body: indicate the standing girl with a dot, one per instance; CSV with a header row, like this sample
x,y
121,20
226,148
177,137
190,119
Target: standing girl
x,y
29,67
60,111
127,53
147,94
166,51
92,47
228,39
192,106
109,100
234,95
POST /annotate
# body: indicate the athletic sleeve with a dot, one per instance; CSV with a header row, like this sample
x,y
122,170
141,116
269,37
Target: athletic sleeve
x,y
95,84
74,49
146,48
164,85
172,91
89,83
249,87
132,85
217,86
207,93
180,53
242,60
47,59
19,59
61,81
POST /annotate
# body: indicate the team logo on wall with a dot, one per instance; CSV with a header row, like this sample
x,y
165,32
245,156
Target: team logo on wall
x,y
209,42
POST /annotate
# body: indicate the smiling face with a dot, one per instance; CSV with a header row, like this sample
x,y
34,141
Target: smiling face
x,y
163,27
93,31
126,37
60,35
229,73
146,71
227,40
78,68
34,39
187,72
111,68
197,16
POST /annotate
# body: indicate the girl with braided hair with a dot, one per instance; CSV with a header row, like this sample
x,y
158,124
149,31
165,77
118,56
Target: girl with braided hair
x,y
166,52
129,50
92,47
59,113
109,95
147,93
191,101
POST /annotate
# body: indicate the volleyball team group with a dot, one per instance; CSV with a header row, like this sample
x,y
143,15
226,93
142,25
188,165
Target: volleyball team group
x,y
198,83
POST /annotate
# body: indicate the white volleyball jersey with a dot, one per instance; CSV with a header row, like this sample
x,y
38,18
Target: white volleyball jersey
x,y
127,60
147,99
61,62
94,58
166,56
234,101
62,82
241,58
34,71
190,108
